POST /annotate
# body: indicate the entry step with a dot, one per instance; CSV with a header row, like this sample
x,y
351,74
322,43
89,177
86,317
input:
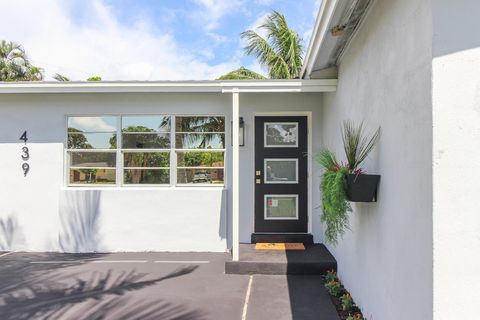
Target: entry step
x,y
305,238
315,259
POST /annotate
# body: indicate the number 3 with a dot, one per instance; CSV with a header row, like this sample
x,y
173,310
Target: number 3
x,y
25,155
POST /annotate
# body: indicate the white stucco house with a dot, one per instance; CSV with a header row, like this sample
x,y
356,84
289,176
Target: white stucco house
x,y
154,166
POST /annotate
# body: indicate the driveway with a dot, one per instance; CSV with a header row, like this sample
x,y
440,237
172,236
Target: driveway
x,y
150,286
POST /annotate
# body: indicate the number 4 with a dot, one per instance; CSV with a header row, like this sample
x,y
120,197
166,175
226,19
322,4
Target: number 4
x,y
24,136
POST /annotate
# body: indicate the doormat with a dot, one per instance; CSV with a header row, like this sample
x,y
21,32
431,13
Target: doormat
x,y
280,246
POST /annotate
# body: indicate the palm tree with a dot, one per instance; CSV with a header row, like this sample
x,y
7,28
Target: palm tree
x,y
241,74
281,51
14,64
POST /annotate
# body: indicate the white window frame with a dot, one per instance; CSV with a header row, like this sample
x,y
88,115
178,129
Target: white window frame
x,y
265,178
119,151
279,196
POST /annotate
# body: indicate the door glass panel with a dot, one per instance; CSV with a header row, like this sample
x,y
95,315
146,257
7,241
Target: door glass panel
x,y
281,207
281,134
281,171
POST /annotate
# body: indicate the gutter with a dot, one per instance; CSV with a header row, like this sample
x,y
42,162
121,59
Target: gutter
x,y
213,86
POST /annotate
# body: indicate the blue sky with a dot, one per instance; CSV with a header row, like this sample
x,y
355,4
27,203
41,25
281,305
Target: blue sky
x,y
144,39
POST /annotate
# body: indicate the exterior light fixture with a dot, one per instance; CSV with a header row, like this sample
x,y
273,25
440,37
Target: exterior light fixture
x,y
241,132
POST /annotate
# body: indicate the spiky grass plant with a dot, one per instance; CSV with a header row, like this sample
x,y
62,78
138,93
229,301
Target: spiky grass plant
x,y
357,144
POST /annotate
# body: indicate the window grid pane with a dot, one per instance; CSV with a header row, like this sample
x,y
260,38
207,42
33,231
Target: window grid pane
x,y
146,152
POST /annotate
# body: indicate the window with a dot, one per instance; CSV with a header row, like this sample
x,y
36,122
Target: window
x,y
200,150
146,150
91,150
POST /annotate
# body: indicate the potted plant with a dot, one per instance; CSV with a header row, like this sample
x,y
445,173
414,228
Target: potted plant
x,y
344,182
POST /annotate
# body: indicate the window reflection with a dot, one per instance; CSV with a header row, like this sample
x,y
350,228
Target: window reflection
x,y
92,176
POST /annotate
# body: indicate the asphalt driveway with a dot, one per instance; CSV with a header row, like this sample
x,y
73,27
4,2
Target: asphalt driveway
x,y
150,286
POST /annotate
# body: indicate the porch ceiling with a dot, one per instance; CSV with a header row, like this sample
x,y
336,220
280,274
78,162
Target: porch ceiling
x,y
212,86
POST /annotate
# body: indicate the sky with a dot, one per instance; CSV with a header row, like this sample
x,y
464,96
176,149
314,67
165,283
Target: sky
x,y
144,39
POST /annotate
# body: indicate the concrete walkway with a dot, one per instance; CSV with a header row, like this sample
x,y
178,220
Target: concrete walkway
x,y
152,286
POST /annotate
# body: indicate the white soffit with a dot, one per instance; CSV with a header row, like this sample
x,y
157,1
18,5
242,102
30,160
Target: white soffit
x,y
295,85
325,49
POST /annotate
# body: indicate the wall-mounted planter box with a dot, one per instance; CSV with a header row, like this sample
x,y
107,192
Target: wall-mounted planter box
x,y
362,187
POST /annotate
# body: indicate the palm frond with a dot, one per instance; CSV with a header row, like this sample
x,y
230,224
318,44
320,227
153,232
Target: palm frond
x,y
326,159
60,77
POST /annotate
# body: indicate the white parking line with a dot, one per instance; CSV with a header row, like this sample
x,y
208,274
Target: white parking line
x,y
6,254
119,261
182,261
57,261
247,298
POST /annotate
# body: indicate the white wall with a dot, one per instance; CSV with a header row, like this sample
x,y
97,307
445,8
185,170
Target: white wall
x,y
456,154
45,215
384,79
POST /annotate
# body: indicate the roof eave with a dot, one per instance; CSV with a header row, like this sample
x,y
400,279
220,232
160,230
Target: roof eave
x,y
295,85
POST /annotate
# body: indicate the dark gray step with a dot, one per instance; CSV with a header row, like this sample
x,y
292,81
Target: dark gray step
x,y
315,260
277,268
305,238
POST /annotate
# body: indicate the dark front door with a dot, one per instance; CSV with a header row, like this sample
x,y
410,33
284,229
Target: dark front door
x,y
281,188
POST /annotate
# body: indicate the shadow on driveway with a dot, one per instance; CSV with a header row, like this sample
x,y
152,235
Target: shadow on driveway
x,y
49,291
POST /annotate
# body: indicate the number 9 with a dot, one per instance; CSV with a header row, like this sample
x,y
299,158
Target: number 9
x,y
26,168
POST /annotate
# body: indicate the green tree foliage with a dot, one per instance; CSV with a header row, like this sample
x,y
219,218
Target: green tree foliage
x,y
280,52
241,74
14,64
95,78
137,140
77,141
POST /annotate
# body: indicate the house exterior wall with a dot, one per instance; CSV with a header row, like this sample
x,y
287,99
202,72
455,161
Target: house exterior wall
x,y
39,213
385,79
456,158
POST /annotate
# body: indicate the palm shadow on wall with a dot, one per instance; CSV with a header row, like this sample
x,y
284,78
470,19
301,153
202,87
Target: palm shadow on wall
x,y
102,296
79,217
11,234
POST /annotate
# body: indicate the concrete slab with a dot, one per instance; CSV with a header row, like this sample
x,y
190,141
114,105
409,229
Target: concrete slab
x,y
289,298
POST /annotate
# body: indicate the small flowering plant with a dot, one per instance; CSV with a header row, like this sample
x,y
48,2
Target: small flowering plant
x,y
347,302
333,287
356,316
331,275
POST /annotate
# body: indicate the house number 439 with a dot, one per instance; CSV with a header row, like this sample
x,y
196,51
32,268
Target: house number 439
x,y
25,154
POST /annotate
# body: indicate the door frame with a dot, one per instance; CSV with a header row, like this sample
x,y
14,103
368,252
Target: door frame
x,y
307,114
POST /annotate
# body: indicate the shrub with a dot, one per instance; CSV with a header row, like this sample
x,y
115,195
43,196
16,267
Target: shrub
x,y
347,302
333,287
356,316
330,276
